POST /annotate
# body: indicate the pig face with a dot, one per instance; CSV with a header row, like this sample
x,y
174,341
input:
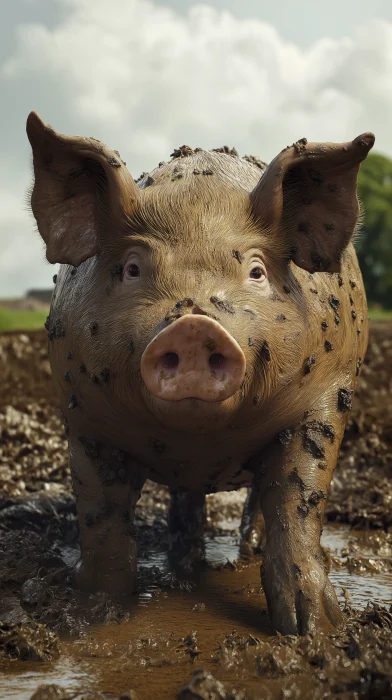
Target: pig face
x,y
194,269
195,296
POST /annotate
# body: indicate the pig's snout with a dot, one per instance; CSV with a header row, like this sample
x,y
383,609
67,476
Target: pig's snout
x,y
195,357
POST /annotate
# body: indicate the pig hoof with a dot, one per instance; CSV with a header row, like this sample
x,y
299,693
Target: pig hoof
x,y
300,597
247,551
193,560
251,543
102,578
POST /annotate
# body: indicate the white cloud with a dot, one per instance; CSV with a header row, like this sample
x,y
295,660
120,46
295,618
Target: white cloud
x,y
22,250
145,79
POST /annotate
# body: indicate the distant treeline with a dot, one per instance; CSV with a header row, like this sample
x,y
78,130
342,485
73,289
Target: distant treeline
x,y
374,246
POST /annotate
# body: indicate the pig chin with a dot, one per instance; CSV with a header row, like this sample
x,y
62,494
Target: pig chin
x,y
194,415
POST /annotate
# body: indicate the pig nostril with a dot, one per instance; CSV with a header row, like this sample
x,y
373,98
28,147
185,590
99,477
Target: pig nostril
x,y
217,360
170,360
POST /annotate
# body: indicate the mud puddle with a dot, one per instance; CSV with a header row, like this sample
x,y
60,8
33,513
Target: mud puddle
x,y
168,631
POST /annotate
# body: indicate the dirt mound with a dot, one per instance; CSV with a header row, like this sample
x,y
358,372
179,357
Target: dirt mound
x,y
361,492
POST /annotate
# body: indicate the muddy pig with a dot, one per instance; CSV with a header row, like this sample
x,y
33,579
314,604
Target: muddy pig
x,y
206,331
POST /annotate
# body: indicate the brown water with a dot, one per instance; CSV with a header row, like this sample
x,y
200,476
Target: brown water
x,y
148,653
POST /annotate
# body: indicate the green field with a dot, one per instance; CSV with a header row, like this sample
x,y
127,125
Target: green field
x,y
21,320
380,314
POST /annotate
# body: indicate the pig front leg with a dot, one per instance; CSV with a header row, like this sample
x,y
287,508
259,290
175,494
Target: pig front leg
x,y
107,486
187,516
252,525
293,483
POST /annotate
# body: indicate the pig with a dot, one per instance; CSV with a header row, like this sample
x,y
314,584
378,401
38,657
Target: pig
x,y
207,329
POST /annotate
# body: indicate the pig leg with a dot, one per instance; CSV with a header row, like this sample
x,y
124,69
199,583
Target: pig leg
x,y
293,485
187,515
252,524
107,487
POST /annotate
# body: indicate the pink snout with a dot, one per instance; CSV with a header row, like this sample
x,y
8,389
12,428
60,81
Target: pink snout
x,y
193,358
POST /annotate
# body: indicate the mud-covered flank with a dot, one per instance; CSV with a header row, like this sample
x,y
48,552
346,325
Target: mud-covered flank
x,y
206,636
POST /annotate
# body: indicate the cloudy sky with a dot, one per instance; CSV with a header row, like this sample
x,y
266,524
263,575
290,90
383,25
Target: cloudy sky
x,y
145,76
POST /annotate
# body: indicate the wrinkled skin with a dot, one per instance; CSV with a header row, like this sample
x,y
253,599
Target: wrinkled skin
x,y
263,256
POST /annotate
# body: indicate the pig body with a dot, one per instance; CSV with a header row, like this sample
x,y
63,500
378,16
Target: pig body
x,y
205,447
206,332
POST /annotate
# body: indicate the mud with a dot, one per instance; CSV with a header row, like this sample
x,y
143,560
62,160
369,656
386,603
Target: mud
x,y
205,636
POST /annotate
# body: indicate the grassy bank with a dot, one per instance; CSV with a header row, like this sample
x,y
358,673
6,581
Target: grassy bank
x,y
380,314
20,319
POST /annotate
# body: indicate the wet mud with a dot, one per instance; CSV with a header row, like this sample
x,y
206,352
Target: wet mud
x,y
207,635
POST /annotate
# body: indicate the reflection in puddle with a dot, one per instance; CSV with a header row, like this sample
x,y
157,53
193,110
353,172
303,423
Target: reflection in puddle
x,y
361,587
20,686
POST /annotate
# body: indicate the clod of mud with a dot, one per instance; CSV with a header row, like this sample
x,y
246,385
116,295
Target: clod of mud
x,y
204,686
372,552
29,641
55,692
362,643
50,692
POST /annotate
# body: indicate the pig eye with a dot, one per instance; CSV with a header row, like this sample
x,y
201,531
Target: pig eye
x,y
132,270
257,273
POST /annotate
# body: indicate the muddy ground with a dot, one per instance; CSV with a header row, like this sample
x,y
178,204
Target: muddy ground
x,y
206,637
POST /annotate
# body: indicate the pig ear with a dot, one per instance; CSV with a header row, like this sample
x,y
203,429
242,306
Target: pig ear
x,y
81,188
308,196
